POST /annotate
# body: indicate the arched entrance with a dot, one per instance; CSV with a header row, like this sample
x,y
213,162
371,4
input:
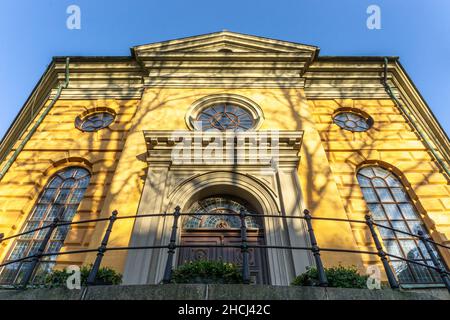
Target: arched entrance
x,y
224,229
258,193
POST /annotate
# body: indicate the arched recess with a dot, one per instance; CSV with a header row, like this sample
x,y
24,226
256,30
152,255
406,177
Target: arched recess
x,y
391,203
229,182
283,265
40,182
59,197
225,188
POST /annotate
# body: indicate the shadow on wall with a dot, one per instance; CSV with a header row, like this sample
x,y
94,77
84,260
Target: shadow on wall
x,y
90,146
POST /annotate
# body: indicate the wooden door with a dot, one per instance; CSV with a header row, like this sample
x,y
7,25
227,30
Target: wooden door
x,y
257,256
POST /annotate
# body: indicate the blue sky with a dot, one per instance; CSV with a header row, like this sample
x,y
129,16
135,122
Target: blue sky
x,y
31,32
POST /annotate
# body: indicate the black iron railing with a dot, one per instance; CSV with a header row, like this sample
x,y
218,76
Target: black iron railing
x,y
36,258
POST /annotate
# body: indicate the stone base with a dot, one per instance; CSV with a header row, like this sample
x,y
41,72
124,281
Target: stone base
x,y
219,292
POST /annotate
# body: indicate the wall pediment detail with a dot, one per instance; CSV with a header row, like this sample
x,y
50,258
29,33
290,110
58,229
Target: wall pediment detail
x,y
224,39
257,149
225,59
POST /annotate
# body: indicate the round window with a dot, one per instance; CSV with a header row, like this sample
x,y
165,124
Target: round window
x,y
352,121
95,121
225,117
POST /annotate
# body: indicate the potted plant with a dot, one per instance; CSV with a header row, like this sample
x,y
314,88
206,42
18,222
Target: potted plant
x,y
339,277
207,272
105,276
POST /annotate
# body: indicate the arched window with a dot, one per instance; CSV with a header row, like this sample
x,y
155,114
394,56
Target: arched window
x,y
225,117
222,205
65,189
215,223
391,206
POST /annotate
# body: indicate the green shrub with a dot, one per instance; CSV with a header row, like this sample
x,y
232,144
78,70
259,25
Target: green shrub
x,y
105,276
203,271
339,277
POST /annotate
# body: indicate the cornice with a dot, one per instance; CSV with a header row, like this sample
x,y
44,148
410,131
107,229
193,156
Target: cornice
x,y
32,106
417,106
102,78
192,43
90,78
162,144
346,78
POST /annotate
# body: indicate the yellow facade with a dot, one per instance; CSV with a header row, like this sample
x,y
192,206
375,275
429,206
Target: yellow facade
x,y
391,143
329,160
58,144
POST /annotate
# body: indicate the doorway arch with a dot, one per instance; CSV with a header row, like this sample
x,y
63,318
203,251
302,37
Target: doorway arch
x,y
256,193
260,192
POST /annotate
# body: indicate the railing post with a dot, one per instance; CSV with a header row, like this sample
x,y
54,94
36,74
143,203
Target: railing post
x,y
323,281
244,248
387,268
171,246
101,251
37,257
437,264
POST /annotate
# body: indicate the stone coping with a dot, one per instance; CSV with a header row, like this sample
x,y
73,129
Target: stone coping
x,y
219,292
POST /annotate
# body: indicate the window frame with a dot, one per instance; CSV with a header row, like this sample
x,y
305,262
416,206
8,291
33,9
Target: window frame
x,y
51,208
229,99
365,116
82,118
201,207
229,110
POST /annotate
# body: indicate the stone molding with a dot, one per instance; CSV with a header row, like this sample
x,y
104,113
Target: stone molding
x,y
169,184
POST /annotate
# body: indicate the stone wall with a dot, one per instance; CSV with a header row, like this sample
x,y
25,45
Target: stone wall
x,y
57,144
218,292
392,143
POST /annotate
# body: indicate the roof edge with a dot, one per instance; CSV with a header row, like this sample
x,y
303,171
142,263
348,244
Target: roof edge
x,y
223,32
47,72
358,58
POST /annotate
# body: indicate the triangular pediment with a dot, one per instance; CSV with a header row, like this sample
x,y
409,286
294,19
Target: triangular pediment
x,y
225,59
225,42
225,46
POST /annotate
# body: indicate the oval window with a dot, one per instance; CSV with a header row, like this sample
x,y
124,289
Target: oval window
x,y
95,121
352,121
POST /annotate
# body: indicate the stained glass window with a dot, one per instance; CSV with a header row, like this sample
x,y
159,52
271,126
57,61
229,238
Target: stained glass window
x,y
351,121
65,189
224,117
391,206
222,205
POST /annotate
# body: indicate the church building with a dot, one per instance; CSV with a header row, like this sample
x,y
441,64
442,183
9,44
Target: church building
x,y
213,125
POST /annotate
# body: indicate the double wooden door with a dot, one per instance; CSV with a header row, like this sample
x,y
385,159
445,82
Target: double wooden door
x,y
257,256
